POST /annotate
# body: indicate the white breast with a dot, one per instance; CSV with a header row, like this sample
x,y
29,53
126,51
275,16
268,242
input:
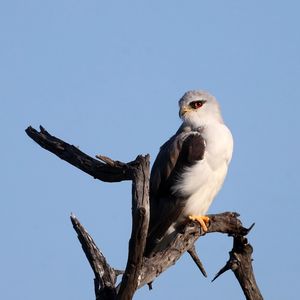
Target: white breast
x,y
202,182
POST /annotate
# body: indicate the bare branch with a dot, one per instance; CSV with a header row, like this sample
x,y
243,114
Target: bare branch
x,y
240,262
192,252
105,276
140,221
111,162
144,270
71,154
158,262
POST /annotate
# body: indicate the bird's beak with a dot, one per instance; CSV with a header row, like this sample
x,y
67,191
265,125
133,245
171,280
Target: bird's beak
x,y
183,110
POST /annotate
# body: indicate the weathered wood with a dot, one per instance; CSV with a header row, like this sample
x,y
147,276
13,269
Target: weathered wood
x,y
240,262
144,270
140,222
105,276
157,263
71,154
192,252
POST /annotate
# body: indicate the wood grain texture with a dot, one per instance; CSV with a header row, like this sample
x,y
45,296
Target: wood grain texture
x,y
71,154
140,223
157,263
240,263
105,276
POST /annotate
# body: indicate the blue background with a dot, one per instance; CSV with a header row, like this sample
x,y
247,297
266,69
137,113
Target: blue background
x,y
106,76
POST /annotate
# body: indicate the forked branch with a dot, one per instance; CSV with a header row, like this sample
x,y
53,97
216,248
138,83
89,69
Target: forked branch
x,y
141,270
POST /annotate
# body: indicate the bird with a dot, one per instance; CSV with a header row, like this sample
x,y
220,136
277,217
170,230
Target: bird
x,y
189,169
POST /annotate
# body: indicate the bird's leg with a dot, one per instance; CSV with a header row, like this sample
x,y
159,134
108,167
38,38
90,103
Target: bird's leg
x,y
202,220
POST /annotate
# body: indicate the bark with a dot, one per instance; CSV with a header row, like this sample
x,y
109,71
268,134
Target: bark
x,y
142,270
240,262
184,241
140,221
105,276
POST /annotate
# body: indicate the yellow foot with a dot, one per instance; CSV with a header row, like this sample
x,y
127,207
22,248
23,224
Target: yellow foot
x,y
203,221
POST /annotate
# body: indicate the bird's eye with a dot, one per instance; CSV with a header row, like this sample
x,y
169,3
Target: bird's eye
x,y
197,104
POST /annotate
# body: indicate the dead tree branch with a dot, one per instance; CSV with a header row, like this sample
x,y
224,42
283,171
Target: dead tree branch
x,y
192,252
225,223
144,270
105,276
240,262
140,222
99,170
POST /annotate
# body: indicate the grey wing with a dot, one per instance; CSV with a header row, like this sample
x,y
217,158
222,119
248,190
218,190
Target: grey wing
x,y
180,151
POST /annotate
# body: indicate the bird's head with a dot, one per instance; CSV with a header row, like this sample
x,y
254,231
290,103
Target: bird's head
x,y
198,108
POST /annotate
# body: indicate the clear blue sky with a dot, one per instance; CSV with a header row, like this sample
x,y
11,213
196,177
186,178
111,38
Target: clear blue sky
x,y
106,76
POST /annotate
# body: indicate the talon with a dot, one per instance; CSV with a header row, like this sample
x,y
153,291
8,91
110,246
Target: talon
x,y
202,220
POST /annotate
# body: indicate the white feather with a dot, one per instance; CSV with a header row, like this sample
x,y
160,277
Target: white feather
x,y
202,182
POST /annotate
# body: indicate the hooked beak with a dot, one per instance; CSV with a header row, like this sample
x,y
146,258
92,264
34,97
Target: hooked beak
x,y
183,110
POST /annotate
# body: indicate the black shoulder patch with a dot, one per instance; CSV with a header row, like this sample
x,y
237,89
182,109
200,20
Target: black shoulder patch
x,y
193,149
180,151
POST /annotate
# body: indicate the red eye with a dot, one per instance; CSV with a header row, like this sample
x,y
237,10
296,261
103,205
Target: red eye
x,y
197,104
